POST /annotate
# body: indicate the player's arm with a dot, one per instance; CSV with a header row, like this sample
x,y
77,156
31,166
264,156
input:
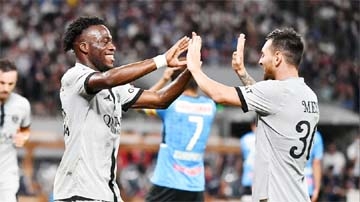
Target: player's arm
x,y
161,99
21,136
238,62
316,166
220,93
130,72
166,77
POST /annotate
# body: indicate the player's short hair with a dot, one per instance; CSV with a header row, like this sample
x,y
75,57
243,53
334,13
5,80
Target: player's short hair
x,y
191,84
76,28
7,65
289,42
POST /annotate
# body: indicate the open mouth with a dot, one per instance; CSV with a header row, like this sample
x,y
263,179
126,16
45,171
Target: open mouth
x,y
110,57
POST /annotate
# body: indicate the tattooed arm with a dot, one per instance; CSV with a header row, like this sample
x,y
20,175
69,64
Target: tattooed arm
x,y
238,62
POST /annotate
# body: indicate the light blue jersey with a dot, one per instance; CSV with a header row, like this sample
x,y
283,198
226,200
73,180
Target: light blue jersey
x,y
186,127
247,145
317,152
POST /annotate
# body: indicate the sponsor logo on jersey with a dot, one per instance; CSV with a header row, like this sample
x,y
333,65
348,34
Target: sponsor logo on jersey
x,y
188,156
112,122
189,171
193,108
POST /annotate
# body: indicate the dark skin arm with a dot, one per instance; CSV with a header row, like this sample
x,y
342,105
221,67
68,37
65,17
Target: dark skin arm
x,y
130,72
163,98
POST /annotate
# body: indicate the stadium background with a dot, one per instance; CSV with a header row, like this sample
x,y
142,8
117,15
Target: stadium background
x,y
31,32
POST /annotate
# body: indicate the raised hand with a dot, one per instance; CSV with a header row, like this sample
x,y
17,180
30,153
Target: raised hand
x,y
237,62
167,73
238,56
172,55
193,55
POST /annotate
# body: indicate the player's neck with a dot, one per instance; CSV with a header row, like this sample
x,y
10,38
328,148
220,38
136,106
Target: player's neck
x,y
286,73
191,93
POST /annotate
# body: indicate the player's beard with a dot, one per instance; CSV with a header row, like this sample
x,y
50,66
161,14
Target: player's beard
x,y
4,96
269,75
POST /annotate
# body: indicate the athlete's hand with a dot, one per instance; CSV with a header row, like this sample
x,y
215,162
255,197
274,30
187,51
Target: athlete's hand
x,y
315,195
20,138
238,56
172,55
167,73
193,55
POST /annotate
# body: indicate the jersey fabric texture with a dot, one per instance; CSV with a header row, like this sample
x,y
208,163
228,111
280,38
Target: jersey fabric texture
x,y
15,113
247,145
92,124
287,117
317,152
186,127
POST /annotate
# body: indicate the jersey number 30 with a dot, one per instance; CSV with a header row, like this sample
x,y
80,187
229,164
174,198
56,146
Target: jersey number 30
x,y
299,129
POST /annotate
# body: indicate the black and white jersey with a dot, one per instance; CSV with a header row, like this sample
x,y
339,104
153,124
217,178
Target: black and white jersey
x,y
15,113
92,124
288,114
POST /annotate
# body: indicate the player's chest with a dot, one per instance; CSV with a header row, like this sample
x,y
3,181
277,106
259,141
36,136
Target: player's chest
x,y
108,101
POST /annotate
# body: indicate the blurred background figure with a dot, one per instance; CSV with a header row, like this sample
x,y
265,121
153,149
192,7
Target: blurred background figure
x,y
352,177
333,168
247,146
15,119
313,168
186,128
334,160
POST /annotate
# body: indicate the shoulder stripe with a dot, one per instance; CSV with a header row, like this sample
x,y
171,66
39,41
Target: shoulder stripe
x,y
126,106
87,89
242,99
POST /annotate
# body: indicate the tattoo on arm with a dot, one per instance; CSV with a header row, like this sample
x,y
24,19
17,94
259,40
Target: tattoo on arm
x,y
247,79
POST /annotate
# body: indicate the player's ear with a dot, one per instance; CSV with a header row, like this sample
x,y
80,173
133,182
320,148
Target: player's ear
x,y
277,58
84,47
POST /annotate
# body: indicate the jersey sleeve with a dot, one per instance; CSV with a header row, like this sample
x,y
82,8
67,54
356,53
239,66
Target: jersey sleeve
x,y
77,79
128,94
262,97
26,120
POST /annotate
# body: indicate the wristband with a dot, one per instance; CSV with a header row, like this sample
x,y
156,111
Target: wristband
x,y
160,61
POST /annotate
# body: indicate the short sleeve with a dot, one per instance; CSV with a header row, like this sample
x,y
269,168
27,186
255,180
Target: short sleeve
x,y
127,95
264,97
26,120
76,78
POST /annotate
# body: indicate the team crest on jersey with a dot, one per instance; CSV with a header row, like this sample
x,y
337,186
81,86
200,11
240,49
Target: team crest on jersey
x,y
15,118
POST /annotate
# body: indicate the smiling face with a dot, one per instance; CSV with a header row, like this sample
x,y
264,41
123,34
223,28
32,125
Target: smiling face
x,y
96,43
267,60
7,83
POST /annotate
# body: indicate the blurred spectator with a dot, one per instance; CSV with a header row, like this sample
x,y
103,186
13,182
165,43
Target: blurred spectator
x,y
334,160
353,154
30,35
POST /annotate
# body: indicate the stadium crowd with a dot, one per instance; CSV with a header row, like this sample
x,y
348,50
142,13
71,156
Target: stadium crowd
x,y
31,33
31,36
